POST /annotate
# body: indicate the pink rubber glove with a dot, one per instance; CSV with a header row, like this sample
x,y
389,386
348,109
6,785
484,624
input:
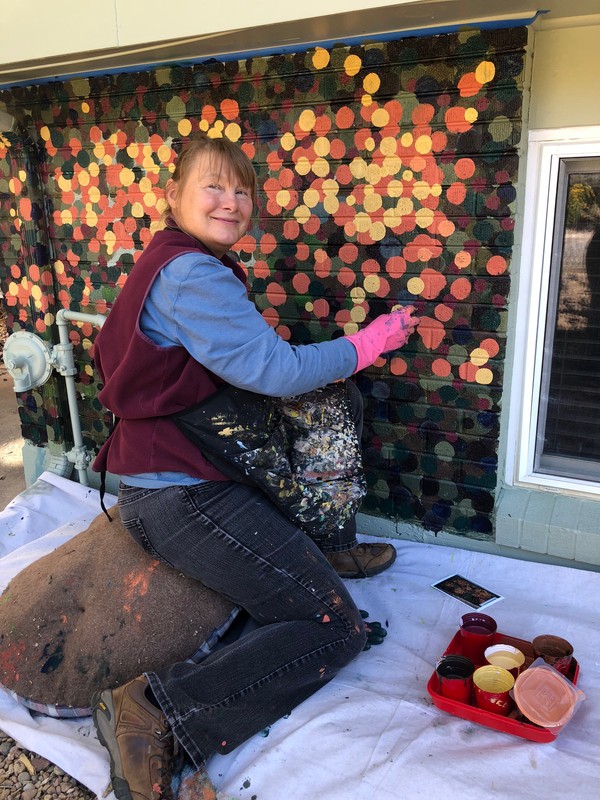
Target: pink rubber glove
x,y
386,332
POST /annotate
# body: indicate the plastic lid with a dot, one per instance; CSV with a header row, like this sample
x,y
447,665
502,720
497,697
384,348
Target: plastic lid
x,y
545,697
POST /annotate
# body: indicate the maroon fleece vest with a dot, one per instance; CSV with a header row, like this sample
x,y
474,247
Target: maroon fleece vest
x,y
145,383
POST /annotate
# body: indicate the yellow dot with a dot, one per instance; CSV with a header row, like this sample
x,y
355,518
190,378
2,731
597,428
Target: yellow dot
x,y
380,117
127,176
85,107
133,150
371,82
321,167
352,65
150,199
372,201
391,217
12,212
45,133
366,100
415,285
309,305
405,206
107,160
307,119
89,369
282,198
84,178
471,114
204,126
407,175
91,219
145,184
423,145
479,356
484,376
311,197
424,217
184,126
370,144
66,217
373,173
388,146
36,292
331,204
64,184
94,194
421,190
362,222
406,139
137,210
350,200
94,170
372,283
358,167
485,72
288,141
322,146
13,289
233,132
303,166
358,314
22,175
320,58
377,231
59,267
358,294
302,214
395,188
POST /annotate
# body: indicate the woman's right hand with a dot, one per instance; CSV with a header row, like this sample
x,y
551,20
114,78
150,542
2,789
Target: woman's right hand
x,y
386,332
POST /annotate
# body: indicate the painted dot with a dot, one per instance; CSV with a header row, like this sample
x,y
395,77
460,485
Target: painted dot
x,y
307,120
320,58
184,127
461,288
462,259
415,285
471,114
479,356
380,118
484,376
485,72
423,145
496,265
491,347
371,82
398,366
441,367
352,65
288,141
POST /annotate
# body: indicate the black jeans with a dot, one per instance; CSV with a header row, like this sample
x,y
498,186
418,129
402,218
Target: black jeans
x,y
233,539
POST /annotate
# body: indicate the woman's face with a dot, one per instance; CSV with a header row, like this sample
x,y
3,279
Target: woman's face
x,y
211,205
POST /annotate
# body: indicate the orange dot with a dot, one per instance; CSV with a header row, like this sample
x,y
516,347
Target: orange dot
x,y
398,366
268,243
461,288
468,85
284,332
346,276
496,265
431,332
441,368
491,347
443,313
456,193
301,282
395,266
464,168
468,371
321,308
344,117
455,120
422,114
433,282
271,316
230,108
348,253
291,229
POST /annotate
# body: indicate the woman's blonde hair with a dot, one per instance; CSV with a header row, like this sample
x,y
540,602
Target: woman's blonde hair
x,y
224,153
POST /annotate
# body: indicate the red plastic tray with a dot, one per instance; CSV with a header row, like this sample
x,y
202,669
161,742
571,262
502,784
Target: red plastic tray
x,y
514,723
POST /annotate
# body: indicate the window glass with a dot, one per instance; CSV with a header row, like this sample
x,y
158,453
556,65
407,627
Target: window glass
x,y
567,441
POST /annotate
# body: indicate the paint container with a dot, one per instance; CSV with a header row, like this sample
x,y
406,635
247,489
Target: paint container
x,y
477,633
492,687
545,697
555,651
455,676
505,656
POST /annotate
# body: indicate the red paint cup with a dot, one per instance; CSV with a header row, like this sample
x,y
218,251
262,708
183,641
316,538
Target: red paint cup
x,y
455,676
555,651
477,633
491,686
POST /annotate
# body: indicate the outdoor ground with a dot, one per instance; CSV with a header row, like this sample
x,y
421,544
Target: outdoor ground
x,y
23,775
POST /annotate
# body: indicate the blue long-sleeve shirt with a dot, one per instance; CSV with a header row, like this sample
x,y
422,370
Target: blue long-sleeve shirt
x,y
198,303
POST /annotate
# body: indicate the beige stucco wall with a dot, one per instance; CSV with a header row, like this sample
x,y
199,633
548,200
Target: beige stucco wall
x,y
565,84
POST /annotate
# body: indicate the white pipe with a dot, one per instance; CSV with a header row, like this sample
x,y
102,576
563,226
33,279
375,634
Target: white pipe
x,y
65,364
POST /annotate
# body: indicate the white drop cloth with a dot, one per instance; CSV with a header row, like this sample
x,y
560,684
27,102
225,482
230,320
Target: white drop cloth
x,y
373,733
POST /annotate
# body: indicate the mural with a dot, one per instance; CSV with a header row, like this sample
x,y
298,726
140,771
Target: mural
x,y
387,175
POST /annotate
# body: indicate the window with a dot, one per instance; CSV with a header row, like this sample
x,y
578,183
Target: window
x,y
555,405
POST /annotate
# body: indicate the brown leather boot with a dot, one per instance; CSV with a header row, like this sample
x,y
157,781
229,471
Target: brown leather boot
x,y
363,561
139,740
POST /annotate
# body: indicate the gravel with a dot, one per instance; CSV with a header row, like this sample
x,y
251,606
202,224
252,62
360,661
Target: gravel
x,y
27,776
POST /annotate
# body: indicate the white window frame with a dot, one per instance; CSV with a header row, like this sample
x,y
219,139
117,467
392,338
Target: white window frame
x,y
546,148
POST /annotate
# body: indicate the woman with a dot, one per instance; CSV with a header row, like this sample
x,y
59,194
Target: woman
x,y
182,326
